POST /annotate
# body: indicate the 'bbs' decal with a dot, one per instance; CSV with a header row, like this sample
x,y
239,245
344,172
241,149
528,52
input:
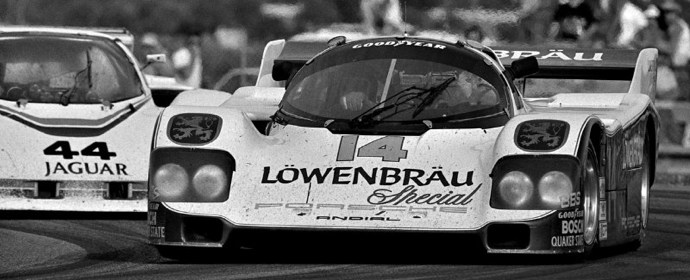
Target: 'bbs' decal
x,y
541,135
194,128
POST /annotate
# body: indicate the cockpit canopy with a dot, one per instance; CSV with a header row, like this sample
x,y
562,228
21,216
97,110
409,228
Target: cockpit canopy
x,y
410,80
67,70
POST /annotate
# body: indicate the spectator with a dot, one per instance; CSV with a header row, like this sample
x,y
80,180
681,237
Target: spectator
x,y
382,17
678,34
475,33
631,20
534,20
187,62
573,21
151,45
666,32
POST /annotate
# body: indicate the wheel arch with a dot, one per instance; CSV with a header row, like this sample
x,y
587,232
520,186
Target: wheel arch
x,y
651,134
593,131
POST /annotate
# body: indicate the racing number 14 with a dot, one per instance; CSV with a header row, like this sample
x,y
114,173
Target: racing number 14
x,y
62,148
388,148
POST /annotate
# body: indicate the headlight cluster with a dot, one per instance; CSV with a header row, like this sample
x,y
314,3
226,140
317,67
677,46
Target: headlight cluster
x,y
190,175
534,182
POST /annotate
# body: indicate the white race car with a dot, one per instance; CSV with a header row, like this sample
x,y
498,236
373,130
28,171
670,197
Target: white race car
x,y
77,117
405,135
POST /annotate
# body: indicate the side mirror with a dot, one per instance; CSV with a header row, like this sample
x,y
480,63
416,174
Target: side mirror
x,y
154,58
524,67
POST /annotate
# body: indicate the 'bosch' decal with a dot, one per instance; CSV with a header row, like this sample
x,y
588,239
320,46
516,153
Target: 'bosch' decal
x,y
541,135
194,128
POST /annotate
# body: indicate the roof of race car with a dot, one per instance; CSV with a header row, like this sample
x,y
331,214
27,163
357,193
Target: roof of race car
x,y
613,64
102,32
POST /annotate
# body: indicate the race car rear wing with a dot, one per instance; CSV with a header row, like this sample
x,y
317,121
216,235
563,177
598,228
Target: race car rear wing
x,y
575,63
637,66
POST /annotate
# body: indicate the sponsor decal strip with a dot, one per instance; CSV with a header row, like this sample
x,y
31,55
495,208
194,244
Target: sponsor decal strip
x,y
396,43
571,229
362,207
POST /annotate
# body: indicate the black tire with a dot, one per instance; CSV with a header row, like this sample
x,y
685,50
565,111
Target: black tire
x,y
590,200
646,182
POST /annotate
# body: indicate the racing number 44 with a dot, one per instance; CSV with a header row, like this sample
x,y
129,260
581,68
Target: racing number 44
x,y
63,148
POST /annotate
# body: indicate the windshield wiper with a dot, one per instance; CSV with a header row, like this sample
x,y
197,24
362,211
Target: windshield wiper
x,y
65,98
434,93
280,116
402,96
367,117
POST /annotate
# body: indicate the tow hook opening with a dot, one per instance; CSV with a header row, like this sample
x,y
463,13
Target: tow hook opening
x,y
46,189
119,190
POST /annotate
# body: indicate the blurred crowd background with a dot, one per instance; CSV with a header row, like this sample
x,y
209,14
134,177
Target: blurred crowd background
x,y
218,43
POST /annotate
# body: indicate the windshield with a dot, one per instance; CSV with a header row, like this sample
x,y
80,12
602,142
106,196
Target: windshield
x,y
347,90
65,70
543,87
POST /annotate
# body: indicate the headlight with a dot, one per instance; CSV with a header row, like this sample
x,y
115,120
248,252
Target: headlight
x,y
534,182
554,185
170,181
190,175
209,181
515,188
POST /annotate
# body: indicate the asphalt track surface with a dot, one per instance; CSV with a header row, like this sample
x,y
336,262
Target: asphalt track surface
x,y
78,246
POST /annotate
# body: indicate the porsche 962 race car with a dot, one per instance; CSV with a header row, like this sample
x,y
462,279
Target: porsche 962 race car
x,y
412,135
77,118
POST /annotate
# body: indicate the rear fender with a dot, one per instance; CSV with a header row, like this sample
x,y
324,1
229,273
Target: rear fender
x,y
259,103
644,78
201,97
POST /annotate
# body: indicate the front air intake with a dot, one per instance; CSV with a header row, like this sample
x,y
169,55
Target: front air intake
x,y
508,236
202,229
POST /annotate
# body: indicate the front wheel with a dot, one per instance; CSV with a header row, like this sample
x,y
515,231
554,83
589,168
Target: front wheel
x,y
590,195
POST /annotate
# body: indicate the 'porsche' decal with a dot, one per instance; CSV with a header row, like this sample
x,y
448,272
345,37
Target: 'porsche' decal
x,y
194,128
541,135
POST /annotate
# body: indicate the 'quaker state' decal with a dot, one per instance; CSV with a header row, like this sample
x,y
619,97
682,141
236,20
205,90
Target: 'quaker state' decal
x,y
541,135
194,128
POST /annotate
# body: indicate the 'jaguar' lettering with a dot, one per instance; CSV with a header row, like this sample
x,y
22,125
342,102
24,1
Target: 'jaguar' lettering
x,y
85,168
